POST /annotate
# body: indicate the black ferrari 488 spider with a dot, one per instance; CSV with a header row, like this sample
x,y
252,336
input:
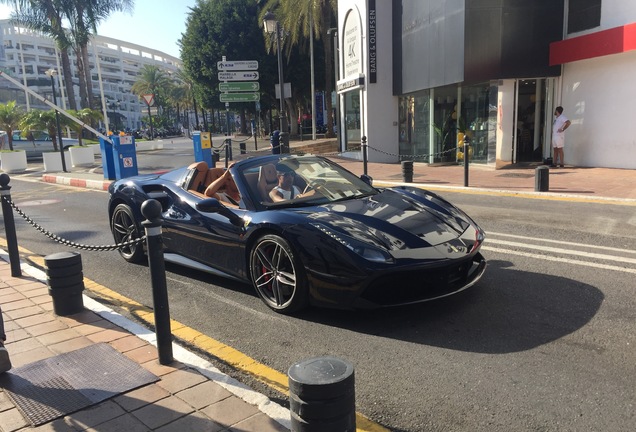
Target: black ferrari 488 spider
x,y
303,230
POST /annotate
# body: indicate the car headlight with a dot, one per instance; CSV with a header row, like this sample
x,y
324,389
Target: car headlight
x,y
370,253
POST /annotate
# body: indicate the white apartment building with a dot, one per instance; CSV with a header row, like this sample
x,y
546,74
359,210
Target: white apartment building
x,y
26,55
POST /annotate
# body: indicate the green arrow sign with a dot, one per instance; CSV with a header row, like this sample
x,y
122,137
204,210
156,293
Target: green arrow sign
x,y
240,97
251,86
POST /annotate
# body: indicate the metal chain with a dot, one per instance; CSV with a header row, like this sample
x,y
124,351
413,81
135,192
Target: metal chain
x,y
68,242
442,153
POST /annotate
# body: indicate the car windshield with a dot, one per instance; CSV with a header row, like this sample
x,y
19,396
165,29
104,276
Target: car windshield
x,y
306,180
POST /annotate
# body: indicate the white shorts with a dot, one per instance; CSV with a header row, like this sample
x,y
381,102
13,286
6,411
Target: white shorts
x,y
558,141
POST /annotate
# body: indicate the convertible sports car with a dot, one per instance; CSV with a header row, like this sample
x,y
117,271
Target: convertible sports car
x,y
339,242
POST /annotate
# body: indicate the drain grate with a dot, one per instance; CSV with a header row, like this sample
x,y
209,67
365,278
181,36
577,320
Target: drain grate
x,y
60,385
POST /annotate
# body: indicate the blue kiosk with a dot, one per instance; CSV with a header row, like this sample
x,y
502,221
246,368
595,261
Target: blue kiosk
x,y
202,142
119,159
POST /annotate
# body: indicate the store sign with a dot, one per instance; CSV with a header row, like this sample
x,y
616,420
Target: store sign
x,y
373,53
352,53
348,84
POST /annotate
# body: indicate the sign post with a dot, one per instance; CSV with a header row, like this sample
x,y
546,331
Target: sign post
x,y
150,100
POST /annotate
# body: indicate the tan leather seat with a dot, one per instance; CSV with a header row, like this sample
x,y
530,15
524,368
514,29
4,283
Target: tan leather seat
x,y
267,179
198,177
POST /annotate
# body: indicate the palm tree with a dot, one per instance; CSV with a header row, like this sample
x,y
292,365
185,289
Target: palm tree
x,y
84,16
10,116
300,17
41,120
87,116
45,16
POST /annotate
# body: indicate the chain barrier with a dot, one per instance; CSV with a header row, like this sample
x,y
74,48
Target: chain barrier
x,y
68,242
338,153
416,156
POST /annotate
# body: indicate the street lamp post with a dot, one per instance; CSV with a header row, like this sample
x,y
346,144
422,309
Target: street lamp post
x,y
51,73
272,26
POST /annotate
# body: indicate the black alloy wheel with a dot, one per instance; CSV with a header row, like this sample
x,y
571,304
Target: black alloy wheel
x,y
276,276
125,229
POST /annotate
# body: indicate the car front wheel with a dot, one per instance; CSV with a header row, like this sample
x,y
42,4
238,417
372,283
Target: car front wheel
x,y
277,277
124,229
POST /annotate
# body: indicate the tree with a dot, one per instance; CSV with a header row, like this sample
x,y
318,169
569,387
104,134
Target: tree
x,y
46,16
300,17
152,80
230,28
87,116
10,117
41,120
84,16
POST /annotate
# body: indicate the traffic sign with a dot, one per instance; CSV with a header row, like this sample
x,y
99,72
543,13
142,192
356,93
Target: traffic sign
x,y
237,65
239,86
238,76
149,98
240,97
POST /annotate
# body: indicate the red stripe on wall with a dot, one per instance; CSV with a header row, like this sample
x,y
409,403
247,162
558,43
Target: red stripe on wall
x,y
602,43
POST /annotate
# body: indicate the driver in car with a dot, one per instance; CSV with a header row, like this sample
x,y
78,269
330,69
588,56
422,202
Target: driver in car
x,y
285,190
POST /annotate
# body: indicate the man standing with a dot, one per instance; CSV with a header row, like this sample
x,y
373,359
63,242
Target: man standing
x,y
561,123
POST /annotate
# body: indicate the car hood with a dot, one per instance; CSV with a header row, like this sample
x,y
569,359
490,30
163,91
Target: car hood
x,y
397,219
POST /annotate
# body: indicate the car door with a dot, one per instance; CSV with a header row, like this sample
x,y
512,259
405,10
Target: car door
x,y
208,238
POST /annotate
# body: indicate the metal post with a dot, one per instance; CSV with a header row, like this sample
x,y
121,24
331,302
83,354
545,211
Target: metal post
x,y
284,135
364,154
152,132
57,124
151,210
9,225
466,147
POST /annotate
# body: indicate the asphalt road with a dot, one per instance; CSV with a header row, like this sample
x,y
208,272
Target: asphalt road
x,y
545,342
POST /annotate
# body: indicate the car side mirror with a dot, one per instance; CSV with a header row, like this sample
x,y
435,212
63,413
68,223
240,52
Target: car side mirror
x,y
367,179
212,205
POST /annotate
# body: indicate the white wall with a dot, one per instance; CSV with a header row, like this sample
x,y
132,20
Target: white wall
x,y
599,98
380,106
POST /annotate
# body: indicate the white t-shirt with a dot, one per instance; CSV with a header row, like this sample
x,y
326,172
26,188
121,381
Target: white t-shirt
x,y
287,194
558,124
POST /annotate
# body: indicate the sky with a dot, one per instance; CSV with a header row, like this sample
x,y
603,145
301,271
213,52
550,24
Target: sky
x,y
156,24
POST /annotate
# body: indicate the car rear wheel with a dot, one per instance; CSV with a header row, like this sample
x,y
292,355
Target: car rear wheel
x,y
277,277
124,229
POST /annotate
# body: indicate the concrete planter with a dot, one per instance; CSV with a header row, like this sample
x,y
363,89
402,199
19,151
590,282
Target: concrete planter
x,y
53,161
82,156
13,161
96,149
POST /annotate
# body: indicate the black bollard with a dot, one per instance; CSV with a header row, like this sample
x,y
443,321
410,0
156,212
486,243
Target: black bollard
x,y
466,158
542,178
9,225
66,282
242,147
364,154
151,209
407,171
322,395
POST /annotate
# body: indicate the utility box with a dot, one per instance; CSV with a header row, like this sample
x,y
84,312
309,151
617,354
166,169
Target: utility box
x,y
202,143
124,156
108,164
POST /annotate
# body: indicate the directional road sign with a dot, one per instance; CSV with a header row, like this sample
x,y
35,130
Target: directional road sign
x,y
240,97
237,65
238,76
239,86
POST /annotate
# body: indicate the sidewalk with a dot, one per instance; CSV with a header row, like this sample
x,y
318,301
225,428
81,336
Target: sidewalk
x,y
188,395
569,182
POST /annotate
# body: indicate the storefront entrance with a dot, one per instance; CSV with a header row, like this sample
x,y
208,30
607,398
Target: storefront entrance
x,y
533,119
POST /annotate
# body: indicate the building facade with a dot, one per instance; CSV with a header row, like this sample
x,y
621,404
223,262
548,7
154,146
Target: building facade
x,y
417,77
26,55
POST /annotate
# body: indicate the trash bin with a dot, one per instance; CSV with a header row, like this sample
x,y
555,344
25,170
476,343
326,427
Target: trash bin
x,y
274,140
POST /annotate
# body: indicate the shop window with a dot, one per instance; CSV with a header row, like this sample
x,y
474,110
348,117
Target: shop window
x,y
583,15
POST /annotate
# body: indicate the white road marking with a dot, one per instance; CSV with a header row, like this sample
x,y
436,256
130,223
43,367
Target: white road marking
x,y
608,248
559,259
